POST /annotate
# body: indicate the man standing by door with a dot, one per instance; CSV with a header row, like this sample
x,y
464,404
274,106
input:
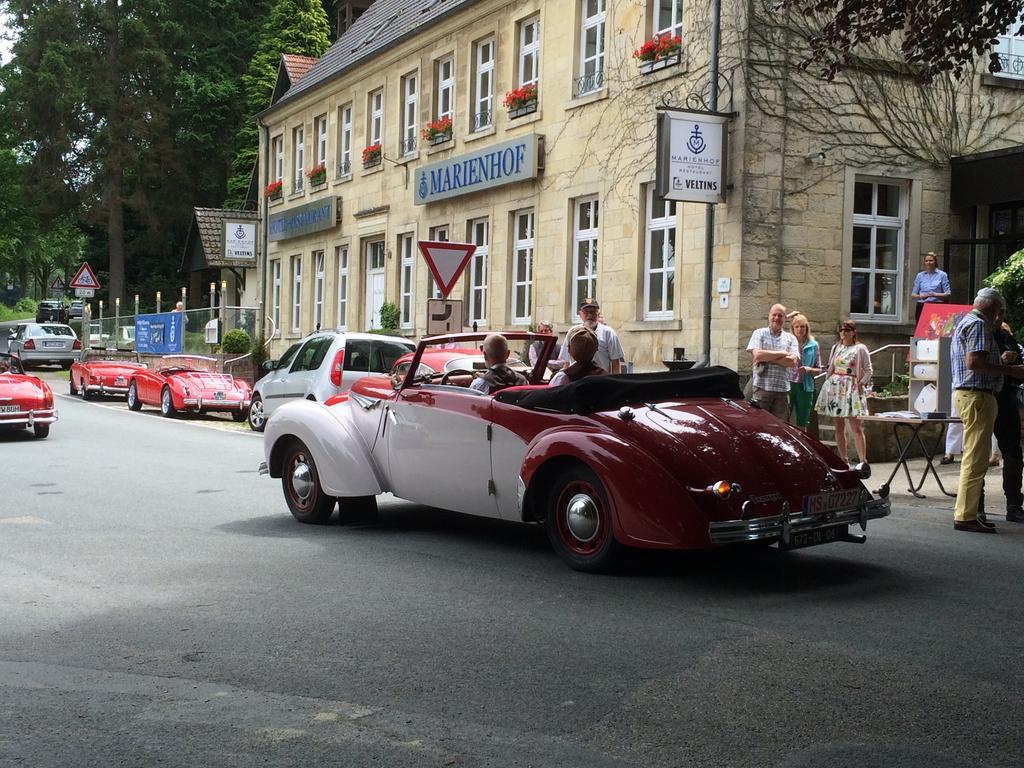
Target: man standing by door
x,y
773,352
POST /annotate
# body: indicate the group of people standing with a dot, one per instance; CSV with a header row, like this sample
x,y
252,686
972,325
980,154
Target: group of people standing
x,y
785,365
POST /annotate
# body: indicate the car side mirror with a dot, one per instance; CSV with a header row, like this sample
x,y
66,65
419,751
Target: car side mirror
x,y
268,366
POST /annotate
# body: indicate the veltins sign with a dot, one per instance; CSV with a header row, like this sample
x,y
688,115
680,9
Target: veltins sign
x,y
303,219
239,240
488,167
691,156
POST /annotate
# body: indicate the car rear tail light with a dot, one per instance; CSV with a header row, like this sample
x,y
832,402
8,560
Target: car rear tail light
x,y
29,344
77,344
337,367
48,398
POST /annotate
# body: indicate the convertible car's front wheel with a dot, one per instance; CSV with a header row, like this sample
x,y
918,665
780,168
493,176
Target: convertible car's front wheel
x,y
579,522
302,490
134,404
167,404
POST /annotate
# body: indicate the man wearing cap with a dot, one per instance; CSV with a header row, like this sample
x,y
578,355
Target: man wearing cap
x,y
537,347
609,351
977,378
773,352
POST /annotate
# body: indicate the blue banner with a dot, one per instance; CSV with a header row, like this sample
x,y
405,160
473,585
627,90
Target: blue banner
x,y
159,334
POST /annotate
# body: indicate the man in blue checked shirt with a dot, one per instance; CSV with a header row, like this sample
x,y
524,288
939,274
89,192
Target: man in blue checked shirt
x,y
931,286
977,378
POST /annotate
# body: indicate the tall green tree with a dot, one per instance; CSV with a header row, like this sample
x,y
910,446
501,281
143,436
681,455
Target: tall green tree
x,y
293,26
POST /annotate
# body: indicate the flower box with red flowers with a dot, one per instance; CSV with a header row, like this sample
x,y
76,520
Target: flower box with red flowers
x,y
317,175
521,101
371,155
438,131
273,190
659,52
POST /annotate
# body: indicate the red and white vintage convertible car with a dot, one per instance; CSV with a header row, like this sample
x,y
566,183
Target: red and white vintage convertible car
x,y
104,372
674,460
189,383
25,401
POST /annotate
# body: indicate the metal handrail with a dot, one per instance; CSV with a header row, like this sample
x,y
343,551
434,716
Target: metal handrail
x,y
873,352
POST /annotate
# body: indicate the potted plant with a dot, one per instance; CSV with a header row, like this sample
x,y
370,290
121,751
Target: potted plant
x,y
659,52
371,155
273,190
521,101
317,175
438,131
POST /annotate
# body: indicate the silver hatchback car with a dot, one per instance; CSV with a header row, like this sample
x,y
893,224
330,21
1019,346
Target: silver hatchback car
x,y
41,343
321,366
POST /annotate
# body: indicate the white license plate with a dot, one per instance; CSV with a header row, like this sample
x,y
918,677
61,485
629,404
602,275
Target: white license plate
x,y
119,381
218,395
822,503
53,344
10,409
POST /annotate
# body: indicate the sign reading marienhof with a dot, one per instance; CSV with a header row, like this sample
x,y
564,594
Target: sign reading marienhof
x,y
691,156
239,240
303,219
489,167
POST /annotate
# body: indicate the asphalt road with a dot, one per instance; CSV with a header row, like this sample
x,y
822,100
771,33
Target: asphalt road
x,y
160,606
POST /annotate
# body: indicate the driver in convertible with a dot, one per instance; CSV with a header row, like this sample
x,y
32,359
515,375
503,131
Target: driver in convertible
x,y
498,375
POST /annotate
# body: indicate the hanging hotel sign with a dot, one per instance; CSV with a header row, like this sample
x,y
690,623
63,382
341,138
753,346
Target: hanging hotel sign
x,y
691,156
238,240
488,167
304,219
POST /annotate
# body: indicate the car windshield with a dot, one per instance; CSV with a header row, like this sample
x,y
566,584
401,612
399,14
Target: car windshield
x,y
186,363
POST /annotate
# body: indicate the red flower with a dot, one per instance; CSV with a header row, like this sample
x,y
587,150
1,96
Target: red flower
x,y
437,128
371,152
317,170
658,47
273,188
520,97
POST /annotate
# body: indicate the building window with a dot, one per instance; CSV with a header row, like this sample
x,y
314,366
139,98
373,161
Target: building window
x,y
529,52
320,125
345,140
445,75
659,257
296,293
298,158
522,267
318,289
483,85
376,112
341,256
406,280
275,296
409,116
479,235
591,73
1009,48
877,258
667,18
278,158
438,235
584,261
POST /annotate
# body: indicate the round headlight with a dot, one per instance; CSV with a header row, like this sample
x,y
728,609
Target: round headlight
x,y
723,489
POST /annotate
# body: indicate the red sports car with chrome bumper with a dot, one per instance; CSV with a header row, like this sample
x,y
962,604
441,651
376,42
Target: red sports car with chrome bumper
x,y
104,372
188,383
25,401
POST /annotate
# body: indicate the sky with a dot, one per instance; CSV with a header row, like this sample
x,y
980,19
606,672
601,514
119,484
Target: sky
x,y
5,45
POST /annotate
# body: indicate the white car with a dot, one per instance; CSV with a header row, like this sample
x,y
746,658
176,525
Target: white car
x,y
41,343
320,366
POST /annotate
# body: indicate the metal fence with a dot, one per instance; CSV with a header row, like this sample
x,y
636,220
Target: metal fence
x,y
119,331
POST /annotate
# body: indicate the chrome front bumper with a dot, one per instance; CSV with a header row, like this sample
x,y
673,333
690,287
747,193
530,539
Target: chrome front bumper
x,y
28,418
103,389
782,526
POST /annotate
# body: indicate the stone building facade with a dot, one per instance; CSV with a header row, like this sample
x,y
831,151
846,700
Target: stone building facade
x,y
829,205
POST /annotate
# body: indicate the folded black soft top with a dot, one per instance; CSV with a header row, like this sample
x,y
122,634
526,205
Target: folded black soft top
x,y
604,393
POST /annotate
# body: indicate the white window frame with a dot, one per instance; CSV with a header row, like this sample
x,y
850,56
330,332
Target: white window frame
x,y
345,140
275,293
406,281
591,68
528,52
318,288
1010,49
584,282
522,314
341,259
410,114
320,130
298,156
375,130
674,25
445,70
666,224
296,293
278,153
483,85
874,222
479,235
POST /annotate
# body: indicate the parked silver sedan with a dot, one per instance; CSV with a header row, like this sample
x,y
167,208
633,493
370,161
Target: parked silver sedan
x,y
42,343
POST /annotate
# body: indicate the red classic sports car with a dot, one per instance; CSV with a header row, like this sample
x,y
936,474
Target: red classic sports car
x,y
188,383
104,372
25,401
674,460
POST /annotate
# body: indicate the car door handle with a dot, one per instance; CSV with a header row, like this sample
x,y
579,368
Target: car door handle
x,y
392,417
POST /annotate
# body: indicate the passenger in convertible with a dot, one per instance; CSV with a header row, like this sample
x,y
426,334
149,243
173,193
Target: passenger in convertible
x,y
582,344
498,375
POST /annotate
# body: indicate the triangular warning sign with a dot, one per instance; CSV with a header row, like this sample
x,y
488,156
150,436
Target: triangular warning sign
x,y
446,261
85,278
57,284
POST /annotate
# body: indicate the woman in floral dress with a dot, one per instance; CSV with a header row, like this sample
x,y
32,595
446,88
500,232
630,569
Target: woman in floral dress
x,y
844,394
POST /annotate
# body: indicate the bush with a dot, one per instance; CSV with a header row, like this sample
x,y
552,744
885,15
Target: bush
x,y
236,342
389,316
26,305
1009,281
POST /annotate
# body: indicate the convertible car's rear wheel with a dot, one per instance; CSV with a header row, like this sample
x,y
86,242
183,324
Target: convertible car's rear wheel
x,y
239,415
134,404
256,418
301,482
167,404
41,430
579,522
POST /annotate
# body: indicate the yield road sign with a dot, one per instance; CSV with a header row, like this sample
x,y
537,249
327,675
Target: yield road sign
x,y
444,316
446,261
85,278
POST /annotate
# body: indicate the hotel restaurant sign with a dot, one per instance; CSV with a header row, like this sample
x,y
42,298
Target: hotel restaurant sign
x,y
691,156
488,167
304,219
